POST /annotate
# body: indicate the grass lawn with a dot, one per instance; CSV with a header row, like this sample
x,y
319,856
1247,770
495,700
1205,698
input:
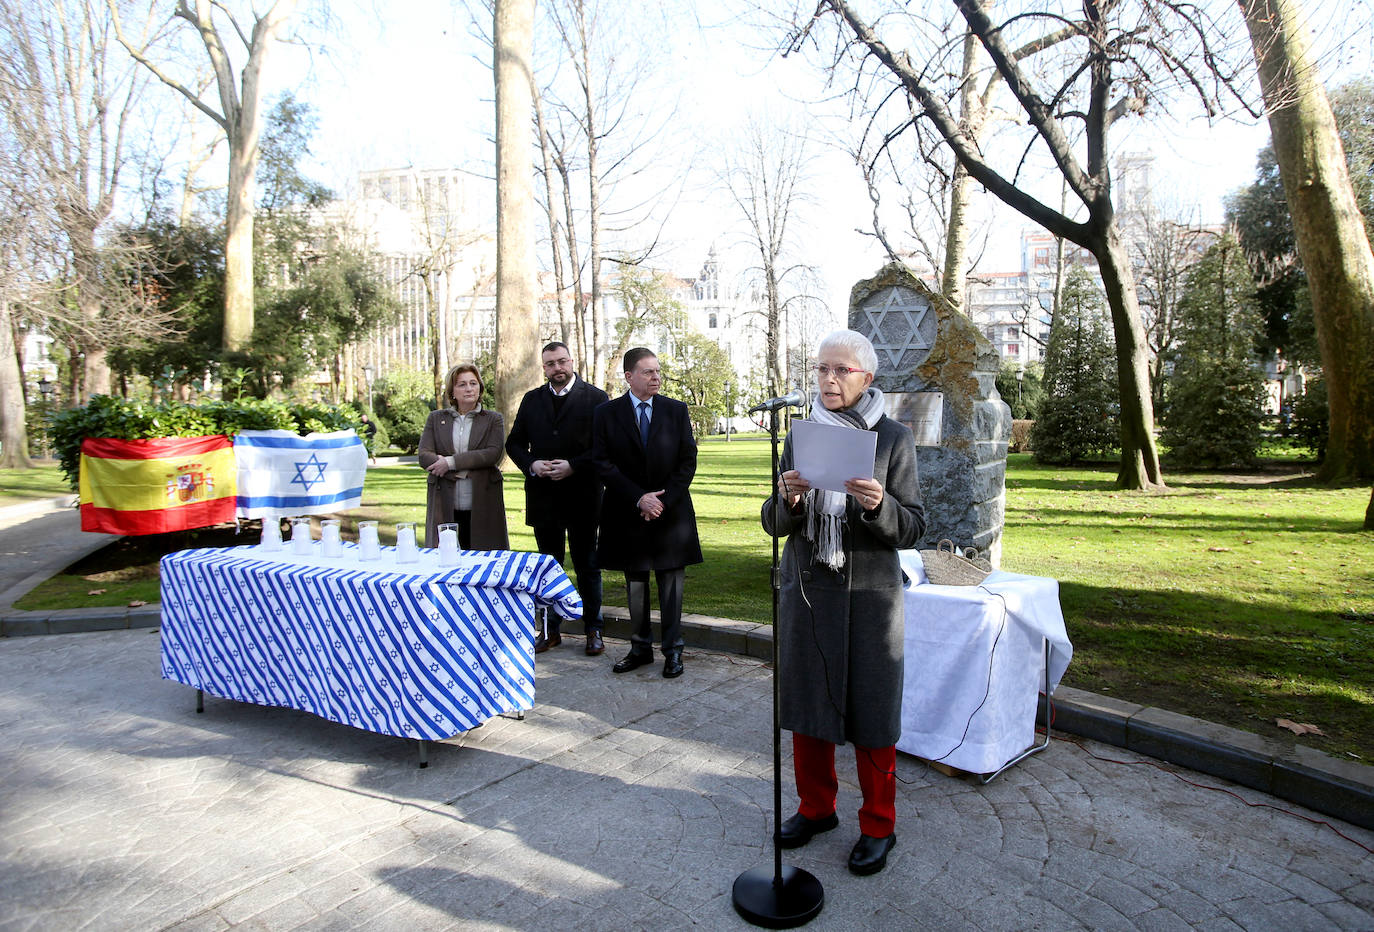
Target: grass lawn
x,y
25,485
1238,598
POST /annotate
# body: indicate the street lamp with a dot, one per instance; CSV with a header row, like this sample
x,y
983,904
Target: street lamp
x,y
1020,377
45,388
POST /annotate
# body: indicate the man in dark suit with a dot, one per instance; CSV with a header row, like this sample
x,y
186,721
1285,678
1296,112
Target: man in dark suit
x,y
644,451
551,442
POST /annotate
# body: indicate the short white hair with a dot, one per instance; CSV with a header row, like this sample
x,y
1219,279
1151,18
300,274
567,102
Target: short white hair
x,y
853,342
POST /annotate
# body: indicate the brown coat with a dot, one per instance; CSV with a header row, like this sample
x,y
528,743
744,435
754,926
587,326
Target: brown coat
x,y
482,459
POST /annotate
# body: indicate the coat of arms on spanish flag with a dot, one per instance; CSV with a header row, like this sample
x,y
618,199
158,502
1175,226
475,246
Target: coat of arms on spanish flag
x,y
154,486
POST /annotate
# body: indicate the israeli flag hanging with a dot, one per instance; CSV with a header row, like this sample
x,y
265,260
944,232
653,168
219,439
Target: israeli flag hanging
x,y
283,473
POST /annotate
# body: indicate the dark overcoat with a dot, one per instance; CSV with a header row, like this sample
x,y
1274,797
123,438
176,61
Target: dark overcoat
x,y
540,434
482,461
628,469
840,634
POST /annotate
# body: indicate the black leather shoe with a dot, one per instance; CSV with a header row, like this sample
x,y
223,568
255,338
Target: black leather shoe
x,y
672,664
543,643
798,830
870,854
594,643
632,661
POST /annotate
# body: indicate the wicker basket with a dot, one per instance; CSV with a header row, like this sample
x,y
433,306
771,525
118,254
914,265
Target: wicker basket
x,y
945,566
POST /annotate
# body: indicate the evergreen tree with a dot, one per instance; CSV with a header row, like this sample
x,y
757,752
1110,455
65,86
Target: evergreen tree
x,y
1077,418
1214,400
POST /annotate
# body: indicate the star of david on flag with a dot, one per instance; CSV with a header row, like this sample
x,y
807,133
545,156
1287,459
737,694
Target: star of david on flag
x,y
281,472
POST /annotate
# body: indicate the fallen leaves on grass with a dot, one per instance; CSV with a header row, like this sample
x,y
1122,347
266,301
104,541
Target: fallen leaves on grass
x,y
1299,728
1219,549
137,603
96,592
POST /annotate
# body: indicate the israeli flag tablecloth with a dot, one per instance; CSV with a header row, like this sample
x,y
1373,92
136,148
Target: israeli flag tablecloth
x,y
411,650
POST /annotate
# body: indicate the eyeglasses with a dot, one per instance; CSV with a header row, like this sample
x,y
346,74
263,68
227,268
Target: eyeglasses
x,y
840,371
562,361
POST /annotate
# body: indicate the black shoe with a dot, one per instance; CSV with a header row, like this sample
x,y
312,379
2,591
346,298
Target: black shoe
x,y
672,664
632,661
543,643
870,854
798,830
594,643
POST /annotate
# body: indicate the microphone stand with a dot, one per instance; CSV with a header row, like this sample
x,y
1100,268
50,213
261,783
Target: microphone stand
x,y
786,897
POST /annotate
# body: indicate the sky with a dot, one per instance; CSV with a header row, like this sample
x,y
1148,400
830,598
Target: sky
x,y
408,84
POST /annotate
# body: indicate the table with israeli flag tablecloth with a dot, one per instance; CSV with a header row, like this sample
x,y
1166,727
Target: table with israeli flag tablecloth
x,y
412,650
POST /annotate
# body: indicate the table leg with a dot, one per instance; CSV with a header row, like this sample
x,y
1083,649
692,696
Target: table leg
x,y
424,753
200,700
1038,746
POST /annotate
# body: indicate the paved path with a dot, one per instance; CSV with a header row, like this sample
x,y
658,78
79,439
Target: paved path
x,y
621,802
39,539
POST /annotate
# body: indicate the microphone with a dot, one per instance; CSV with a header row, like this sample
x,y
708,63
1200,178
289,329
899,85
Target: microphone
x,y
793,399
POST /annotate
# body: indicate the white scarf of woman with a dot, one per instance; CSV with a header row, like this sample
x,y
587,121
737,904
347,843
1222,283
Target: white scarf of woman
x,y
825,517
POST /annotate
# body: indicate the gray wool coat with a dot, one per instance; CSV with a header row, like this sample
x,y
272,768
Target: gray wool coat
x,y
482,460
840,634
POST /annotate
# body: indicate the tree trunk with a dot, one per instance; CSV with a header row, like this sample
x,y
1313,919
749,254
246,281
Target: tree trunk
x,y
436,347
238,246
1328,228
546,173
1139,454
14,436
956,233
517,299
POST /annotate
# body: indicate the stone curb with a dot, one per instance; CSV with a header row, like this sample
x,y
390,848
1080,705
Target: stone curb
x,y
1302,775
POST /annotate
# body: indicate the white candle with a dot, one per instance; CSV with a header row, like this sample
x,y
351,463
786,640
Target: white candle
x,y
271,533
332,542
448,547
406,551
368,545
301,539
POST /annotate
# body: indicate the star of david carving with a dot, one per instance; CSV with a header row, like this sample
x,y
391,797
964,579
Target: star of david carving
x,y
912,314
312,464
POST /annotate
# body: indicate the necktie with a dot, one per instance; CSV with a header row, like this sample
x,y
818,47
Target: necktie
x,y
644,423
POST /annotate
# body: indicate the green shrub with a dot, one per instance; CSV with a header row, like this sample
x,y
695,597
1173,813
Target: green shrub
x,y
1311,418
106,416
404,422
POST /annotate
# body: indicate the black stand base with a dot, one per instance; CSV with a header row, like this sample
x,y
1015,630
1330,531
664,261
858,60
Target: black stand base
x,y
794,901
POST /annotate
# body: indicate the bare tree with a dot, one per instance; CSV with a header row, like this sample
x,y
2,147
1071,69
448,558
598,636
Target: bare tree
x,y
240,100
765,176
67,105
1164,247
1118,58
1327,225
517,298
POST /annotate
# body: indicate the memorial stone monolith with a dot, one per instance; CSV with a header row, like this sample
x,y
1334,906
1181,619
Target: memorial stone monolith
x,y
939,376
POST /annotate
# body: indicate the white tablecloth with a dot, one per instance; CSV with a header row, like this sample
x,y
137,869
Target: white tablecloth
x,y
412,650
974,665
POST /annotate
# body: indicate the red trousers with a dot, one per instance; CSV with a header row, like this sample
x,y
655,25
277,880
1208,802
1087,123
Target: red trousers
x,y
813,762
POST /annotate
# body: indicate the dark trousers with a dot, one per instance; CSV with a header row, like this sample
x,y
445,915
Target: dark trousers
x,y
813,763
581,539
464,521
669,609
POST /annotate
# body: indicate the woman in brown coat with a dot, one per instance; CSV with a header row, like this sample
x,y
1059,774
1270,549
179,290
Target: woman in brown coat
x,y
461,448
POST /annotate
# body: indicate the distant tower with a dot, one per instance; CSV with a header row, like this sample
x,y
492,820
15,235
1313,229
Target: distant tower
x,y
1133,182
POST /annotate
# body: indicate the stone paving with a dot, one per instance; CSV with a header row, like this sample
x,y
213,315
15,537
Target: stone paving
x,y
620,802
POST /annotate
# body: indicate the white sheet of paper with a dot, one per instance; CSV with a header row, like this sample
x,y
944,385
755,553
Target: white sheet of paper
x,y
826,456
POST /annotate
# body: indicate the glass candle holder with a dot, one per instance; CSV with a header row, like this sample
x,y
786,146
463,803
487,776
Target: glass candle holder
x,y
406,550
369,547
448,545
271,533
302,538
331,538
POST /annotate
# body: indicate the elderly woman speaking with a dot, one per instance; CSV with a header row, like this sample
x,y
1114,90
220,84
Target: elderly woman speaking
x,y
840,624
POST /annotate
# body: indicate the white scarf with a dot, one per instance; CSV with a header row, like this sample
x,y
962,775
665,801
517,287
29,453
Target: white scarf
x,y
825,516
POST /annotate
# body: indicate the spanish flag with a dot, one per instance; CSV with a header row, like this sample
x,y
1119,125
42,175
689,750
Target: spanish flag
x,y
154,486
